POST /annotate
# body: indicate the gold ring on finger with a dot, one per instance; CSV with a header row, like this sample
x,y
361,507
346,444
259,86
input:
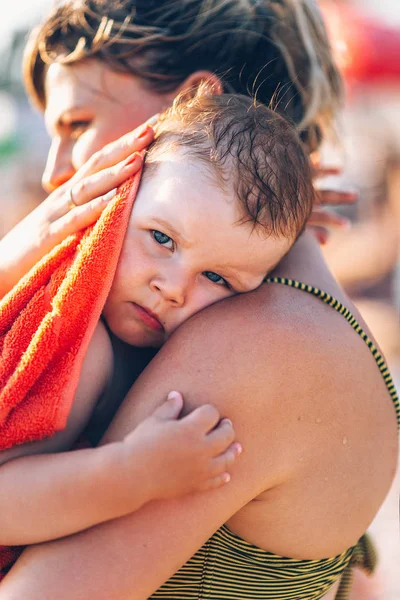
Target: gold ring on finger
x,y
70,200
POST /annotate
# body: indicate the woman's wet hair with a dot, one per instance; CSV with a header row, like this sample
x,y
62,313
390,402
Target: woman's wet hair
x,y
254,154
275,50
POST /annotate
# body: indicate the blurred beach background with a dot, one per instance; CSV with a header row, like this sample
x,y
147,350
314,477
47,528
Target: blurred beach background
x,y
365,35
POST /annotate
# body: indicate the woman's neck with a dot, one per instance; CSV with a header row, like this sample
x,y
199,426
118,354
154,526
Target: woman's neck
x,y
305,263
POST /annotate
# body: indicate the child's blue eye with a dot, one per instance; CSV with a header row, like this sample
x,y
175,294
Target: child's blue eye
x,y
162,238
215,278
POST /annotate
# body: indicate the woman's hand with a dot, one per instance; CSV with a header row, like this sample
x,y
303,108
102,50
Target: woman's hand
x,y
321,219
73,206
179,455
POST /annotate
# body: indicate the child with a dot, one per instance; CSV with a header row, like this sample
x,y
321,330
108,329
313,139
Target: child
x,y
226,191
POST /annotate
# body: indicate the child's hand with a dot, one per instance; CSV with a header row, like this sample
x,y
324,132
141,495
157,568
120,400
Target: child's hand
x,y
180,456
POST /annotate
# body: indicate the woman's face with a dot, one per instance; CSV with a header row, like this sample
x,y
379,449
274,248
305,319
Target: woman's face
x,y
183,251
87,106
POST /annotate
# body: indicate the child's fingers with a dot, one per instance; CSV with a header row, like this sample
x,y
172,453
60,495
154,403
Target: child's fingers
x,y
221,463
219,468
205,418
171,408
215,482
221,437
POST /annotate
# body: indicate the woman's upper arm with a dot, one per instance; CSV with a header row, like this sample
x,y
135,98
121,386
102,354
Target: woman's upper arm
x,y
131,557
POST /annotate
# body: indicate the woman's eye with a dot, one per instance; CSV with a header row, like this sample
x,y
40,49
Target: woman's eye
x,y
162,239
76,128
215,278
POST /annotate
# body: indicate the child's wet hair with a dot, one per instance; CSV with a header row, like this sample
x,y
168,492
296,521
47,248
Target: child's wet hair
x,y
251,150
277,50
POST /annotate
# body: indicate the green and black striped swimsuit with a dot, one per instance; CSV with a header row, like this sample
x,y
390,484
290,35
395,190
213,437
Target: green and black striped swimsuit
x,y
228,567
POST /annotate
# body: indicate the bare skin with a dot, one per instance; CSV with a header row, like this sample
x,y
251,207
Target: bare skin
x,y
166,455
275,387
289,431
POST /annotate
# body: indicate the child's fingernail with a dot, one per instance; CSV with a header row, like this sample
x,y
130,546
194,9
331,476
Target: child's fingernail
x,y
173,396
226,422
226,477
110,195
238,448
132,159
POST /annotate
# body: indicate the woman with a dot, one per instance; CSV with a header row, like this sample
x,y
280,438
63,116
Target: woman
x,y
261,358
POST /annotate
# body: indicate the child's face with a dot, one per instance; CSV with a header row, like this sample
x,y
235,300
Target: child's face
x,y
183,251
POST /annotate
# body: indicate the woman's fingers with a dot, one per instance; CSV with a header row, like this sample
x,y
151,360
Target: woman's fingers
x,y
100,183
94,186
117,151
320,221
328,218
331,197
319,171
77,219
321,234
105,170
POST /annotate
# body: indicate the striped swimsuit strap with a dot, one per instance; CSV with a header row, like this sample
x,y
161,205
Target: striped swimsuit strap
x,y
340,308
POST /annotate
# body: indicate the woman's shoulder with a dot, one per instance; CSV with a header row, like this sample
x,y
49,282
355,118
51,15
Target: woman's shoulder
x,y
288,350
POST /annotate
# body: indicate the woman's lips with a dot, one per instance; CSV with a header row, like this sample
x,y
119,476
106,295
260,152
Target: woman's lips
x,y
147,317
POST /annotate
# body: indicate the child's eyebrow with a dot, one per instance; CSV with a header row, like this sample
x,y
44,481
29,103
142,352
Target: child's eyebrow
x,y
243,286
170,229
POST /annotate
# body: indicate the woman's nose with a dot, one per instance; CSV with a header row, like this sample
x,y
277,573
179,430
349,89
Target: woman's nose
x,y
58,167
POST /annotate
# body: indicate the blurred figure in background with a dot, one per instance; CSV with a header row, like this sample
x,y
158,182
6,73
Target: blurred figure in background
x,y
365,259
23,139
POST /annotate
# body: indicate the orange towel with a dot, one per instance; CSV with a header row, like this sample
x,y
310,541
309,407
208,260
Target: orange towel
x,y
46,323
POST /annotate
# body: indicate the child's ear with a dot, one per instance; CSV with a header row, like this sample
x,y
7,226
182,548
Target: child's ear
x,y
192,82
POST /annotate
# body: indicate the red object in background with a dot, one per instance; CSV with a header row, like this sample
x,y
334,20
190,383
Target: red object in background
x,y
366,49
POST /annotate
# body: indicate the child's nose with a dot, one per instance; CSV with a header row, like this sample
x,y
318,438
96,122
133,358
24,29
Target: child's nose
x,y
172,288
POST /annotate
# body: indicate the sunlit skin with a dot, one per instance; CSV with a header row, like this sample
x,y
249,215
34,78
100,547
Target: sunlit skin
x,y
88,106
186,248
82,118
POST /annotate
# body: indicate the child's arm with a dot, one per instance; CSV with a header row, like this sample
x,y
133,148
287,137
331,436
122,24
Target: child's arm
x,y
163,457
31,486
43,497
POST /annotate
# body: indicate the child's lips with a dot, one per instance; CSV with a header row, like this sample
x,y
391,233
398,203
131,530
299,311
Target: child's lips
x,y
148,317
